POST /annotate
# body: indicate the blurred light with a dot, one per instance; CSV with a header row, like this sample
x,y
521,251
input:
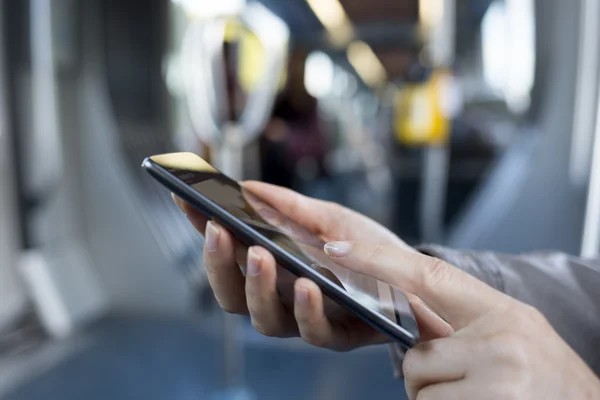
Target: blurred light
x,y
521,74
508,41
586,93
233,30
344,83
271,29
174,77
431,13
206,9
251,57
267,34
493,41
318,76
334,19
366,64
451,96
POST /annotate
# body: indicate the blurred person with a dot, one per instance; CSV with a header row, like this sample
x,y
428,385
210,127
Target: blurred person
x,y
294,134
492,326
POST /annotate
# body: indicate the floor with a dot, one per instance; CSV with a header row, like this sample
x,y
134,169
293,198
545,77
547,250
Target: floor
x,y
176,359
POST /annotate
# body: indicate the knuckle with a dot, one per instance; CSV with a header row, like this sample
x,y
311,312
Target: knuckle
x,y
210,264
517,389
511,350
230,304
375,252
314,339
333,206
525,318
253,308
415,357
264,329
409,364
531,316
433,273
231,307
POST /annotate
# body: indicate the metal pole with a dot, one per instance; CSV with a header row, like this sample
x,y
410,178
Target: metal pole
x,y
45,142
585,136
586,95
229,139
433,192
230,161
231,153
13,295
590,247
436,159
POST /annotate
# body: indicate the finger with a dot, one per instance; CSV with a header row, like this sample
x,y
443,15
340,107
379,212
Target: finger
x,y
241,255
454,295
222,270
437,361
267,313
315,215
314,326
431,326
199,221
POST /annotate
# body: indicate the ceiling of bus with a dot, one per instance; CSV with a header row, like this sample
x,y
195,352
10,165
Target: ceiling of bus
x,y
389,26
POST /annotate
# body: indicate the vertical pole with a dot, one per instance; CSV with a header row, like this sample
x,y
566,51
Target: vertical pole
x,y
13,294
591,232
586,94
434,179
45,140
230,161
433,192
231,152
586,136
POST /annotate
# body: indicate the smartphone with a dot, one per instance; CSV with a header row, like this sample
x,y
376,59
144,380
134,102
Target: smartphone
x,y
298,252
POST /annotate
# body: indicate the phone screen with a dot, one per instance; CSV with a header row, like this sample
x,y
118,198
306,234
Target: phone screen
x,y
291,237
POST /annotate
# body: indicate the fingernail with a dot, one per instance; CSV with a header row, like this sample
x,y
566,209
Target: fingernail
x,y
253,266
338,249
212,237
301,295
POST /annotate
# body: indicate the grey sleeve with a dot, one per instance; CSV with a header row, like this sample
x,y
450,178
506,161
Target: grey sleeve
x,y
565,289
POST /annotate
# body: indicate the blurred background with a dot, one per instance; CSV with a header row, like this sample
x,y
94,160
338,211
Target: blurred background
x,y
466,123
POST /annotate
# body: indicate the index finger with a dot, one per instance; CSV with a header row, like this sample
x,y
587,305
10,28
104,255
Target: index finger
x,y
456,296
315,215
197,219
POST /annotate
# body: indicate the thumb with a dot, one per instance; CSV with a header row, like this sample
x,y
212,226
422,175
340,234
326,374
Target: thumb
x,y
454,295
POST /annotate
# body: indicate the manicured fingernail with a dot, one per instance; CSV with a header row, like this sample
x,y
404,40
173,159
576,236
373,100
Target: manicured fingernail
x,y
301,295
253,267
212,237
338,249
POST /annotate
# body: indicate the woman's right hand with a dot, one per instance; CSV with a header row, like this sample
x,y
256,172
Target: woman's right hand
x,y
501,349
256,293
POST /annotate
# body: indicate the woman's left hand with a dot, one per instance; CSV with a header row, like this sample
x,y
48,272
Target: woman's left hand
x,y
501,348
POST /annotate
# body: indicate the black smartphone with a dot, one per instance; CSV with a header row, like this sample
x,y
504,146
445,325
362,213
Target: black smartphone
x,y
299,252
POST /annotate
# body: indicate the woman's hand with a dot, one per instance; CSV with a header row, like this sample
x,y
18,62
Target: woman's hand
x,y
256,294
502,349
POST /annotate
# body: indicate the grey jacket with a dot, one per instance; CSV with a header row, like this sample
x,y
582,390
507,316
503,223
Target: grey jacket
x,y
565,289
